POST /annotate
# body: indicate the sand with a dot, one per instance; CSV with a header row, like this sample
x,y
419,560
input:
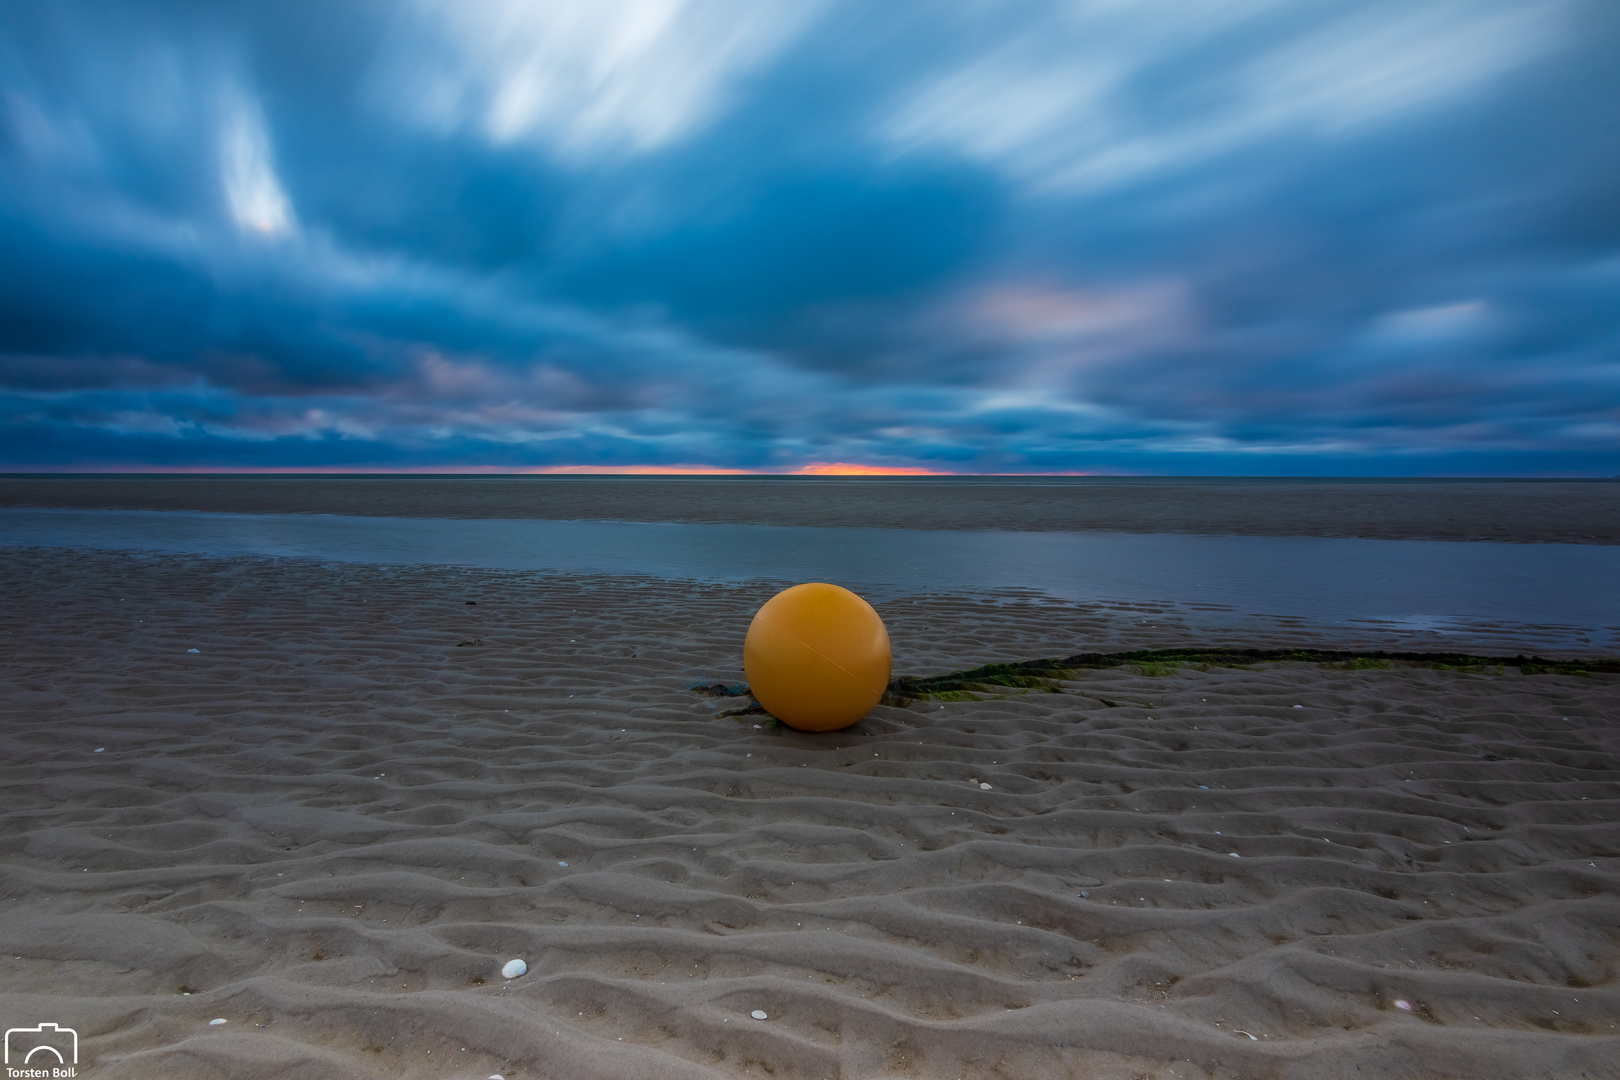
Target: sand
x,y
1573,512
334,822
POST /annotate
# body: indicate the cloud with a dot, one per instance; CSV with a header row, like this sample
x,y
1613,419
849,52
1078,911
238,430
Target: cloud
x,y
52,142
1444,322
1076,97
580,78
257,202
1383,61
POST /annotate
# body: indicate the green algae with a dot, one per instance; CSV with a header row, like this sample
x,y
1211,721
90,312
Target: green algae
x,y
1048,674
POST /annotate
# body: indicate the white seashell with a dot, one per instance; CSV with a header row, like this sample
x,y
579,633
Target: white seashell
x,y
1234,855
514,968
984,787
561,863
216,1023
1403,1004
758,1014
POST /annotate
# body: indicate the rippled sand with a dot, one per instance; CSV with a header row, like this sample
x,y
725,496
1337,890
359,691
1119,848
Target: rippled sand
x,y
333,823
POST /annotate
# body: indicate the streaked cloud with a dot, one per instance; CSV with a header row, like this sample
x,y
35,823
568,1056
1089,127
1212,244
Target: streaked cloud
x,y
247,172
1385,60
1445,321
580,78
1073,96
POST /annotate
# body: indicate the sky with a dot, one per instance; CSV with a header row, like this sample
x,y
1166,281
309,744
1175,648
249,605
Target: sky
x,y
1172,237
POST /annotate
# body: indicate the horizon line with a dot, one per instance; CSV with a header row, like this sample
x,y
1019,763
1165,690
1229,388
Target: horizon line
x,y
819,469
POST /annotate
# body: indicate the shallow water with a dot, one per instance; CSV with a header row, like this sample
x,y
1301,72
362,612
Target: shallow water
x,y
1407,583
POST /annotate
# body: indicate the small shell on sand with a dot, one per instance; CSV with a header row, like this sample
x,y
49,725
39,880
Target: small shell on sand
x,y
514,968
217,1022
1402,1004
758,1014
984,787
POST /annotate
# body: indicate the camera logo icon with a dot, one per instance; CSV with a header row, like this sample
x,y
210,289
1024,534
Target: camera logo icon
x,y
46,1044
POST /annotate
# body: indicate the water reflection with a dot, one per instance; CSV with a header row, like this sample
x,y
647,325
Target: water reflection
x,y
1410,583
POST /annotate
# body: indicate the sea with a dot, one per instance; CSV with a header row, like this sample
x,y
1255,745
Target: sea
x,y
1571,592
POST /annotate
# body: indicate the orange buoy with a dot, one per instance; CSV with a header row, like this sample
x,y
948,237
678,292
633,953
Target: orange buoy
x,y
817,657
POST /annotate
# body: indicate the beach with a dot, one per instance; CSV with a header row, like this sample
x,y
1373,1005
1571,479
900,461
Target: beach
x,y
326,803
438,436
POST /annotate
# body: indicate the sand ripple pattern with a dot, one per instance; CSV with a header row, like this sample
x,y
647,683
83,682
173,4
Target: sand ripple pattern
x,y
334,822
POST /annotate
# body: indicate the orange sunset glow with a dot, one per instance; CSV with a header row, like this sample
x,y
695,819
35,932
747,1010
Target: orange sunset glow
x,y
844,468
636,470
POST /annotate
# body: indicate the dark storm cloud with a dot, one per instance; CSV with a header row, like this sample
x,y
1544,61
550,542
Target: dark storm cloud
x,y
1170,237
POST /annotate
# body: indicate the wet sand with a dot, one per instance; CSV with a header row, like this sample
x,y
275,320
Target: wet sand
x,y
1573,512
333,823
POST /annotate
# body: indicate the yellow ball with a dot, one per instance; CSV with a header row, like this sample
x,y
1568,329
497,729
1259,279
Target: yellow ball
x,y
817,657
